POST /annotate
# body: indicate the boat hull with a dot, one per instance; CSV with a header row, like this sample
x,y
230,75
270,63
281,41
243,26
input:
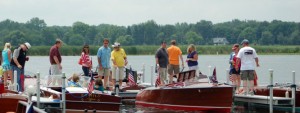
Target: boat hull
x,y
86,101
278,92
188,99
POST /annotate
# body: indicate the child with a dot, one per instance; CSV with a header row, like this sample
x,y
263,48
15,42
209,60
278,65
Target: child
x,y
99,85
73,81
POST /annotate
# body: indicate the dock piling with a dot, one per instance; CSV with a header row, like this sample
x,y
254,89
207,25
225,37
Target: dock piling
x,y
271,91
38,94
294,92
63,90
151,75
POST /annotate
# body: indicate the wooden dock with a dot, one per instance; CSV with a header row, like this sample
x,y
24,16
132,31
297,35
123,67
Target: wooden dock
x,y
278,101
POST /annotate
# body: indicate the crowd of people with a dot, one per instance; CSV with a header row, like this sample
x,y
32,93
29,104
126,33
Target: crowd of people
x,y
111,63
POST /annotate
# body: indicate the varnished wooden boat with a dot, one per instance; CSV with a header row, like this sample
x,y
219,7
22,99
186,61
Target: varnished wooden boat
x,y
194,96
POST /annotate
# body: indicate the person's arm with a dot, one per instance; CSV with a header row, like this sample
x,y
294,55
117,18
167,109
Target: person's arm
x,y
195,58
181,60
256,61
237,63
9,55
99,59
125,57
57,62
113,59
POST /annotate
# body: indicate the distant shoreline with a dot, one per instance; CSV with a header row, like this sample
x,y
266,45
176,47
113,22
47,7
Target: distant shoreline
x,y
150,50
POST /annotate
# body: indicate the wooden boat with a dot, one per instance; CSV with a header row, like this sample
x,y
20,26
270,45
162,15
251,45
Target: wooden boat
x,y
9,102
280,91
83,100
193,96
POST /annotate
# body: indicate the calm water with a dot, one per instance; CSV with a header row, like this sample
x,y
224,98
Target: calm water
x,y
283,65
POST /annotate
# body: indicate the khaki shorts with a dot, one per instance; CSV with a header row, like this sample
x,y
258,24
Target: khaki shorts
x,y
163,73
120,72
104,72
247,74
173,68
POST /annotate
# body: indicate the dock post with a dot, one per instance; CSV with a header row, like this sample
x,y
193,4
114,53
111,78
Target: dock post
x,y
294,92
117,85
208,73
271,90
38,94
63,90
227,76
151,75
143,69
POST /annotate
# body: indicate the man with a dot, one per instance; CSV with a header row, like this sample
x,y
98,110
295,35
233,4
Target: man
x,y
161,58
247,57
103,55
55,61
174,53
18,63
118,57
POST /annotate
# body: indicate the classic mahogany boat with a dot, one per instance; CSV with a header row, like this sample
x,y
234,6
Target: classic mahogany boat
x,y
280,91
191,96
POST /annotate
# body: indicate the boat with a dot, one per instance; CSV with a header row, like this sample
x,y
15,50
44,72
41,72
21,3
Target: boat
x,y
282,90
188,94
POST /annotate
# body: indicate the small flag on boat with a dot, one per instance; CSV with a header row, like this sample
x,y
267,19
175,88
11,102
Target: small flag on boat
x,y
29,108
157,82
91,84
130,78
214,76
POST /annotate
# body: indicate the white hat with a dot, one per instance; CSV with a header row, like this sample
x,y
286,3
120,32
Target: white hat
x,y
27,45
116,44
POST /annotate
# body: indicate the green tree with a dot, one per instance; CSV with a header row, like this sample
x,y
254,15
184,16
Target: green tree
x,y
266,38
193,37
125,40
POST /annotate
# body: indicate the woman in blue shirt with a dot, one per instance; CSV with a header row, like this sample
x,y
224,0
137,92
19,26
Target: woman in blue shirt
x,y
6,58
192,58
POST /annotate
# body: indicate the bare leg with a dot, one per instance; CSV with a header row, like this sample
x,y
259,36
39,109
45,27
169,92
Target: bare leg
x,y
251,85
238,79
105,81
5,77
170,78
245,85
11,76
120,83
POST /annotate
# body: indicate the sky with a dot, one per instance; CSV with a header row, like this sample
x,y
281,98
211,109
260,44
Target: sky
x,y
129,12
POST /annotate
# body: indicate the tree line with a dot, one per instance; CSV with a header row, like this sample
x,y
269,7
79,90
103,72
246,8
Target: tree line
x,y
38,33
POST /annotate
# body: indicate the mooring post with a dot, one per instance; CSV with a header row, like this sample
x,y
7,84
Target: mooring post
x,y
143,69
151,75
294,92
271,90
63,90
38,94
227,76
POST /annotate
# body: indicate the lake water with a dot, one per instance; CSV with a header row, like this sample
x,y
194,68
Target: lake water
x,y
283,65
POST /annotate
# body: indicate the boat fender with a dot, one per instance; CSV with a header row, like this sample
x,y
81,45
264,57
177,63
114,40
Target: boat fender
x,y
85,110
287,94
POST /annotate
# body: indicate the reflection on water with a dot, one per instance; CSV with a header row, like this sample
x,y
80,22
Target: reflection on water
x,y
241,108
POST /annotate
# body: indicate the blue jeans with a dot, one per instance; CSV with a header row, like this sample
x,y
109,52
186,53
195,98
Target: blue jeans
x,y
85,70
19,72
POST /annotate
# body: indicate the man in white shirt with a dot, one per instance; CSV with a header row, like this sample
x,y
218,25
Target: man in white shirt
x,y
248,58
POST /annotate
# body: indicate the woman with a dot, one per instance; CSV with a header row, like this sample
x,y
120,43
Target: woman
x,y
192,58
6,58
236,78
85,60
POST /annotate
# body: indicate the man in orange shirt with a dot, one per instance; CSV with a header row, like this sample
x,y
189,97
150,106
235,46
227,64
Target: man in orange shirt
x,y
174,54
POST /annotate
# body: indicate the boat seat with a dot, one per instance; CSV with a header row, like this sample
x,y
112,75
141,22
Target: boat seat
x,y
186,75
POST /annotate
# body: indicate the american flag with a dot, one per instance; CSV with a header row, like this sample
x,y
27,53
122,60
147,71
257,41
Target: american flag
x,y
214,76
90,87
130,78
157,82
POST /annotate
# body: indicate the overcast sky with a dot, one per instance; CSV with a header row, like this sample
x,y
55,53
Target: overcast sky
x,y
128,12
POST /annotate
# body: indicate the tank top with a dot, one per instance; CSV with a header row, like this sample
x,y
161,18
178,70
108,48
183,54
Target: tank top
x,y
6,61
